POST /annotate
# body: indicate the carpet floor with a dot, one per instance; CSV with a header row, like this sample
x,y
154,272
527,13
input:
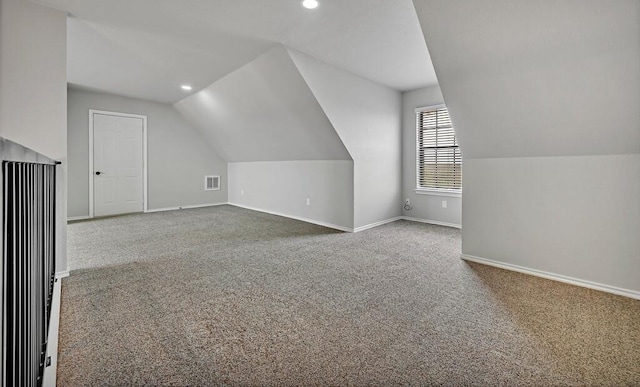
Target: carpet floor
x,y
227,296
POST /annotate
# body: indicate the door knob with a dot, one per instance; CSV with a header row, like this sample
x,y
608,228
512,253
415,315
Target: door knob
x,y
98,172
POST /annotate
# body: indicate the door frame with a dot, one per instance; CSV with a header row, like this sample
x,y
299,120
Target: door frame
x,y
144,156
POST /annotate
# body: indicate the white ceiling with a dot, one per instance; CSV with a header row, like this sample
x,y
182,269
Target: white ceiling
x,y
247,114
148,48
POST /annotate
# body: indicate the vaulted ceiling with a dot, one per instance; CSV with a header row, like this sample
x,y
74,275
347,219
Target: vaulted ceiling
x,y
148,48
264,111
538,78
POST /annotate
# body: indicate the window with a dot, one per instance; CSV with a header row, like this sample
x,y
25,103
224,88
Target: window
x,y
439,161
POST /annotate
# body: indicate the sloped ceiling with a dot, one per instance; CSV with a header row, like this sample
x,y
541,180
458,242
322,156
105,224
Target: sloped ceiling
x,y
151,65
538,78
363,113
264,111
148,48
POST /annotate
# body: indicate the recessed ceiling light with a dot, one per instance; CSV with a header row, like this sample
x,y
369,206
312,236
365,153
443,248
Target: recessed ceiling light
x,y
310,4
186,87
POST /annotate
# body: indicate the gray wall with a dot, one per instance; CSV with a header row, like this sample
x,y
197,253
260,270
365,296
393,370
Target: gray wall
x,y
425,206
280,146
33,80
178,155
33,100
544,97
283,187
286,106
366,116
577,216
33,91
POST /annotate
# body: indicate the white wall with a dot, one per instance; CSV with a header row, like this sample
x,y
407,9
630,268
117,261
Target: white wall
x,y
282,187
545,100
366,116
178,155
425,206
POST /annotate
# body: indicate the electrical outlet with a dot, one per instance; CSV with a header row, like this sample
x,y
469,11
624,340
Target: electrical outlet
x,y
308,201
444,204
241,192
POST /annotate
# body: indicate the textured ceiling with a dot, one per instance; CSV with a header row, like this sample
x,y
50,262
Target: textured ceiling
x,y
148,48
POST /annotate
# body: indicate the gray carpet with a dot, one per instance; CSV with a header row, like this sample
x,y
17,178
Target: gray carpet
x,y
226,296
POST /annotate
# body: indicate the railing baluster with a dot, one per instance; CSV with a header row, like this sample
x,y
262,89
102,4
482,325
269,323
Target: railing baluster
x,y
28,270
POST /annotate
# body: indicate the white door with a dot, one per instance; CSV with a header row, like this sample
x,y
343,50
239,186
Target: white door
x,y
118,179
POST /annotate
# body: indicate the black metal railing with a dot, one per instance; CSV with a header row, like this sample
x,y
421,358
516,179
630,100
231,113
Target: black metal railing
x,y
28,269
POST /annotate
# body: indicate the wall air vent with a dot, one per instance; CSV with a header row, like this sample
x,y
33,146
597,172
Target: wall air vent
x,y
212,183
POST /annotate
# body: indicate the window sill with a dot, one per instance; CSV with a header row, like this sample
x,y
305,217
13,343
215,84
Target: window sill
x,y
439,192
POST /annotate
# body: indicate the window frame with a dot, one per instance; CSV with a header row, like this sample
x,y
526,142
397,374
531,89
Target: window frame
x,y
451,192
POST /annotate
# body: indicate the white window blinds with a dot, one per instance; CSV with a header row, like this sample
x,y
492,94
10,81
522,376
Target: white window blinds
x,y
439,161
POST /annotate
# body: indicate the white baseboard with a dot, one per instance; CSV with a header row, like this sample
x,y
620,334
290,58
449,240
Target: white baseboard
x,y
555,277
63,273
185,207
347,229
438,223
376,224
49,377
74,218
319,223
85,217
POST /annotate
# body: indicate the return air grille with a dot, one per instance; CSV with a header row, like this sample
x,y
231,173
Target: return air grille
x,y
211,183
